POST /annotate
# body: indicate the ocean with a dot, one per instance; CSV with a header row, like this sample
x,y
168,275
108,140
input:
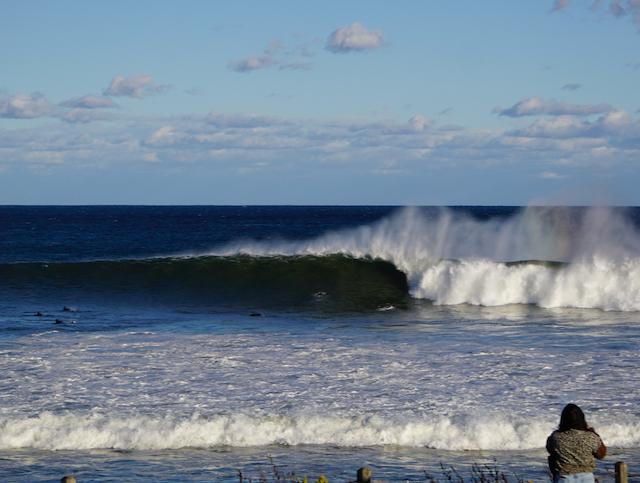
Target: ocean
x,y
187,343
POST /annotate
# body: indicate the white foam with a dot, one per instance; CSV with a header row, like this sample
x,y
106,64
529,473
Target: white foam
x,y
452,383
597,283
68,432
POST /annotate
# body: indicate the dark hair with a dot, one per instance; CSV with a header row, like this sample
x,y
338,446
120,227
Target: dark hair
x,y
572,418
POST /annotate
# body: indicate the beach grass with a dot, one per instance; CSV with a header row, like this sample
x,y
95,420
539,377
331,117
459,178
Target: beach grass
x,y
477,473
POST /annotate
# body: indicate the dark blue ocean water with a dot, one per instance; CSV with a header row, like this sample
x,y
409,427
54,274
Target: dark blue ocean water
x,y
197,257
75,233
144,343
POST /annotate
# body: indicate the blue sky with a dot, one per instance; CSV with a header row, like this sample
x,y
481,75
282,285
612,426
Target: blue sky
x,y
425,102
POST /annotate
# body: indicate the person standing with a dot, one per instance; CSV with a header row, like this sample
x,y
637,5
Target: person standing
x,y
572,448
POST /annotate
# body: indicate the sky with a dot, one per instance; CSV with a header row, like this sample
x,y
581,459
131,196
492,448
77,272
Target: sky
x,y
425,102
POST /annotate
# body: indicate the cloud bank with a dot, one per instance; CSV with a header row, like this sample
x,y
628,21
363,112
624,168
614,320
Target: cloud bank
x,y
559,136
222,142
560,140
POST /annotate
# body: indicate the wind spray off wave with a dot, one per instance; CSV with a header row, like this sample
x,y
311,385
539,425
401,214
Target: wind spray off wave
x,y
551,257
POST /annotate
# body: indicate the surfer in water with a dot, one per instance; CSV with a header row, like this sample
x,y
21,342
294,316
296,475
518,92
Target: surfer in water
x,y
387,306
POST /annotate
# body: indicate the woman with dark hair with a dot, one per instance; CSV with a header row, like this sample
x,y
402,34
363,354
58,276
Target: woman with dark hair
x,y
572,448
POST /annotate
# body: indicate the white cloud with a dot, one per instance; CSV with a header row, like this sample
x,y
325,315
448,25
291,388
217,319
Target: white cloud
x,y
164,136
556,127
419,123
135,86
21,106
617,8
535,106
253,62
572,87
616,122
89,102
621,8
84,115
273,56
354,38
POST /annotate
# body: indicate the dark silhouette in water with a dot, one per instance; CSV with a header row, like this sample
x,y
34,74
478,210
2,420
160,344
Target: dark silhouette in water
x,y
58,321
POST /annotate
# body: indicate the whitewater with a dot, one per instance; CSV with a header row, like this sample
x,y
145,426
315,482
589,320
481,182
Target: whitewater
x,y
121,360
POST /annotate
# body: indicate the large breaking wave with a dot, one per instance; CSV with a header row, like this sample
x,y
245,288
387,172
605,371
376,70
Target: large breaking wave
x,y
550,257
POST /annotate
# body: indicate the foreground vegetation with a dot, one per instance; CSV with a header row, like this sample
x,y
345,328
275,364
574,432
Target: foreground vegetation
x,y
477,474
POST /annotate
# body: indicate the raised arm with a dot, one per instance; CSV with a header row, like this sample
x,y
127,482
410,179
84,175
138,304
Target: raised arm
x,y
602,450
